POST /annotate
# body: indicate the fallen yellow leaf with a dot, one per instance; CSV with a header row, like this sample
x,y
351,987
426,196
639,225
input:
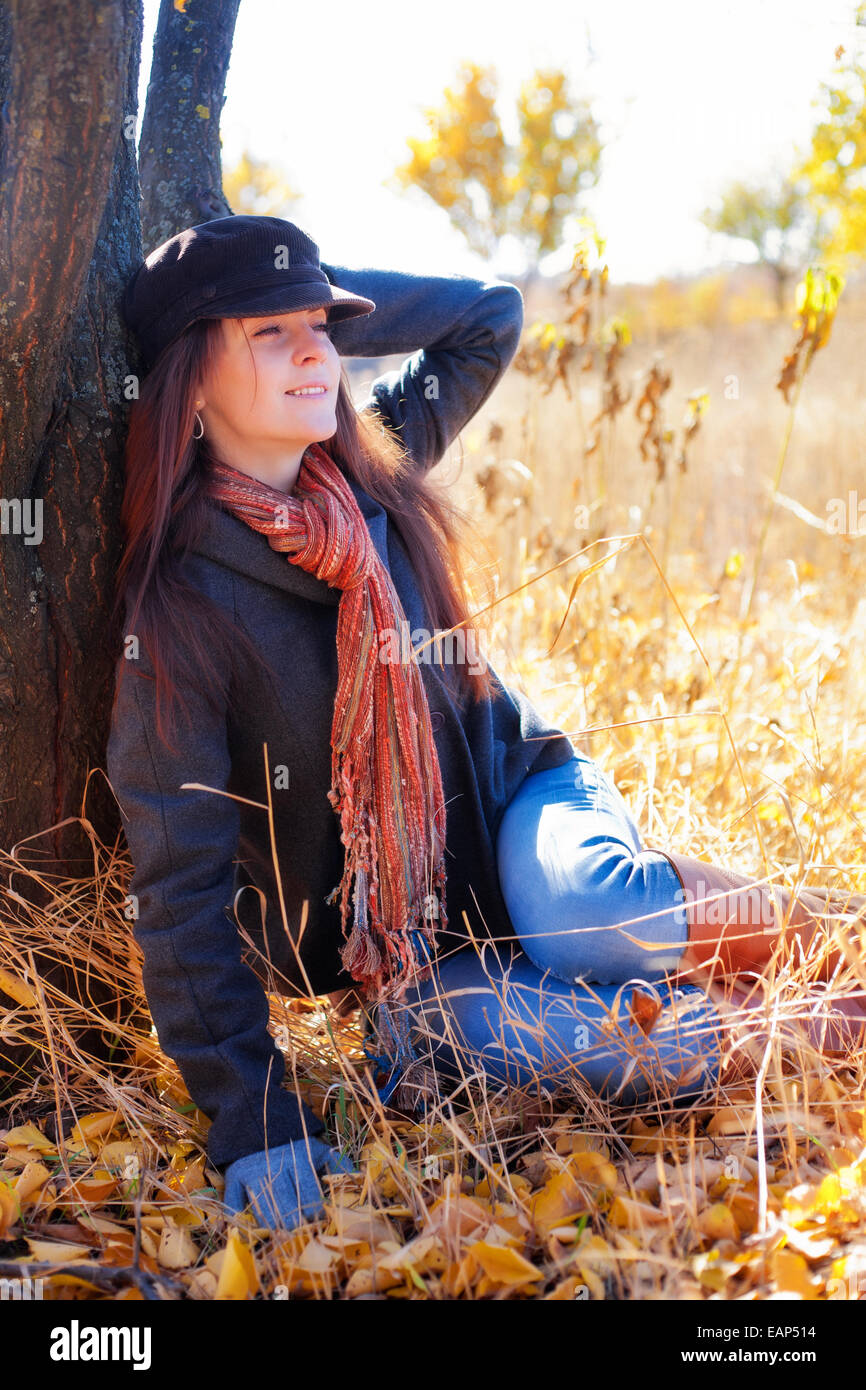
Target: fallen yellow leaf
x,y
503,1265
29,1137
56,1251
790,1274
238,1278
31,1178
18,989
177,1249
718,1222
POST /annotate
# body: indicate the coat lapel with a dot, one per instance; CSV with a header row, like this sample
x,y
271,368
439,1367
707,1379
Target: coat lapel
x,y
231,542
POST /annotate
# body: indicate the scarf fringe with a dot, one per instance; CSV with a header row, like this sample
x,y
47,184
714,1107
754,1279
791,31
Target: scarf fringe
x,y
412,1083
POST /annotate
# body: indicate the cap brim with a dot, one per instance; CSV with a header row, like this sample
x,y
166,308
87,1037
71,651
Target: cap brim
x,y
340,303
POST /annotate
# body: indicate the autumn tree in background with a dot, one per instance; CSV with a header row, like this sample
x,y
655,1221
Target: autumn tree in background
x,y
259,189
835,166
775,218
530,187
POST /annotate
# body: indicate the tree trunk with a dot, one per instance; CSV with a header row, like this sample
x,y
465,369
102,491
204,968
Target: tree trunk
x,y
179,151
70,239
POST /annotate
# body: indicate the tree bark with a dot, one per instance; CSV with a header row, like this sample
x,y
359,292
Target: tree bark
x,y
180,160
5,60
70,239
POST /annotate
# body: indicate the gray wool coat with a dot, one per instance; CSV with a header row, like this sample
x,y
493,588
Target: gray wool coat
x,y
192,850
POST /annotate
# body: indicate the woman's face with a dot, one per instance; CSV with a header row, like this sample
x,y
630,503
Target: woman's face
x,y
250,415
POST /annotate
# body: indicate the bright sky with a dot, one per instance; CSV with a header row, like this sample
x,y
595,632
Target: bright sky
x,y
689,95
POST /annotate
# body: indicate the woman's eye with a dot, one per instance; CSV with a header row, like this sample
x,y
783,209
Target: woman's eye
x,y
274,328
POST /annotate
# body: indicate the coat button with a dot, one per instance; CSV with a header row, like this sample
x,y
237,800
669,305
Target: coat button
x,y
437,719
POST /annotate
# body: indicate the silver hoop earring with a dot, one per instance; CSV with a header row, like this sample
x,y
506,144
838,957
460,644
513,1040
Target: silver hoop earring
x,y
198,436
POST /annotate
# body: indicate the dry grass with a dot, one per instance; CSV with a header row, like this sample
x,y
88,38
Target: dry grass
x,y
741,744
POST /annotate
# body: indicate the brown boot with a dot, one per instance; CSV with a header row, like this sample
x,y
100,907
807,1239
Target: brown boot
x,y
735,924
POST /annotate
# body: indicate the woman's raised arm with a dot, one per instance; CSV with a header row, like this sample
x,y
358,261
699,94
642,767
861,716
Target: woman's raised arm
x,y
461,333
210,1009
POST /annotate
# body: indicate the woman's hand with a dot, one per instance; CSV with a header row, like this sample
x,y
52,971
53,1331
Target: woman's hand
x,y
282,1184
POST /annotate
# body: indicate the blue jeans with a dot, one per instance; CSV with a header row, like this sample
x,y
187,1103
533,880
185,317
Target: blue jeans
x,y
595,916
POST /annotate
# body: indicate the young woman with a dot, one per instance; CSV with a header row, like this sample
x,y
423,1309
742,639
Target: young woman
x,y
416,836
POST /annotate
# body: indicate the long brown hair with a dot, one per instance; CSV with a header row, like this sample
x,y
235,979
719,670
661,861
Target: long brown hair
x,y
164,511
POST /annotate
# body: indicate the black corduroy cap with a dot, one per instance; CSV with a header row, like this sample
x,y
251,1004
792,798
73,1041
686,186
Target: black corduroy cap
x,y
231,267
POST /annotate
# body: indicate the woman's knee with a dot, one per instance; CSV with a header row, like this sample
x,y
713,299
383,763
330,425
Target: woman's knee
x,y
608,914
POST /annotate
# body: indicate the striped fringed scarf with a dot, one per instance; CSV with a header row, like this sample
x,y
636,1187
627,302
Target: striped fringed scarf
x,y
386,783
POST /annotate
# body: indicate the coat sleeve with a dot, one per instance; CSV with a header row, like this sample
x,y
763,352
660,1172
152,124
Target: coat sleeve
x,y
210,1009
461,334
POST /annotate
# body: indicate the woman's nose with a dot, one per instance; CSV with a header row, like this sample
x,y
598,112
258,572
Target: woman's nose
x,y
312,347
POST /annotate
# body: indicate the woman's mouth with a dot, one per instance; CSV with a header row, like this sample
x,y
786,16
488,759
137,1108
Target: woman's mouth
x,y
308,391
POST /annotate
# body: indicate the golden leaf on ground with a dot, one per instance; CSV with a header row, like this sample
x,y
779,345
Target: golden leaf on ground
x,y
567,1290
582,1143
57,1251
177,1249
31,1178
18,989
117,1151
455,1216
425,1254
101,1224
560,1200
790,1273
238,1278
187,1177
82,1137
316,1258
647,1139
504,1266
186,1214
73,1281
372,1281
718,1222
593,1167
632,1214
202,1284
119,1251
361,1223
590,1278
28,1137
94,1189
10,1208
838,1194
744,1206
149,1243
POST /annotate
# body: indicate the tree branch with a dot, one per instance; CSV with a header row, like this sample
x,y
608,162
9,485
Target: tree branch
x,y
180,162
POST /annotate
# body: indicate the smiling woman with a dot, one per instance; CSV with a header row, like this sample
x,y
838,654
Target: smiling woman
x,y
319,777
255,421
